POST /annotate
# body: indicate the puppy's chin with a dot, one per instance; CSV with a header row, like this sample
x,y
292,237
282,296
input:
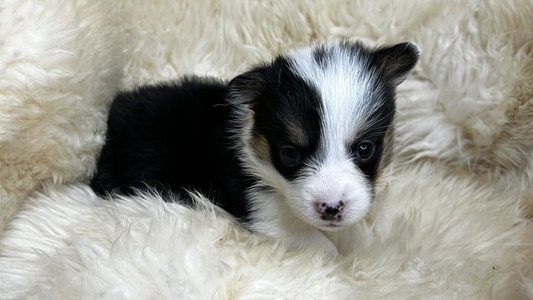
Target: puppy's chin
x,y
332,227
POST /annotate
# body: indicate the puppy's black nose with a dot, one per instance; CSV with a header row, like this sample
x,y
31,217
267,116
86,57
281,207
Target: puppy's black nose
x,y
330,211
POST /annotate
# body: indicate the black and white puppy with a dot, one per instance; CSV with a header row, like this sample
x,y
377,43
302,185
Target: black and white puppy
x,y
292,148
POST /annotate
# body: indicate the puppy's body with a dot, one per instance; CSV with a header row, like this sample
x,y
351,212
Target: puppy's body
x,y
292,148
173,137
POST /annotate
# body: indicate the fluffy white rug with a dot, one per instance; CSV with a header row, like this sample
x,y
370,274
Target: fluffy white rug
x,y
452,222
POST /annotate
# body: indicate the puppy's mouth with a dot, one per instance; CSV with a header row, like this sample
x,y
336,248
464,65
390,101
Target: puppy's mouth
x,y
331,226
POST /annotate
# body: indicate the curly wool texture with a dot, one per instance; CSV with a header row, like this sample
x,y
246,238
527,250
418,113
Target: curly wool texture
x,y
60,66
451,221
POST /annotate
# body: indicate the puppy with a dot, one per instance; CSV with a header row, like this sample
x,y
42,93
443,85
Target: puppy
x,y
292,148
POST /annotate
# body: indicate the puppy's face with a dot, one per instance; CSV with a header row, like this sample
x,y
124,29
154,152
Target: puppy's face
x,y
317,126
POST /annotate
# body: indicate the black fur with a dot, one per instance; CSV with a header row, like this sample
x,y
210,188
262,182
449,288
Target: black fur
x,y
287,102
172,137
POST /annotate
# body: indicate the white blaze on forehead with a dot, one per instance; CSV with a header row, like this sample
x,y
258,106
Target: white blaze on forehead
x,y
345,88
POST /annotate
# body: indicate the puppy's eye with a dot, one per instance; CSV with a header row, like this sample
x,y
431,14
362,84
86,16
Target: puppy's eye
x,y
365,149
290,156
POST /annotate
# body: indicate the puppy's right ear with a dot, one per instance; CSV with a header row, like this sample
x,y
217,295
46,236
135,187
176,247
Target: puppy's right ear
x,y
397,61
246,88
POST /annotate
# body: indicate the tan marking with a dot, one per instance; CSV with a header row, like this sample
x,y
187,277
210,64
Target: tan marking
x,y
297,135
261,147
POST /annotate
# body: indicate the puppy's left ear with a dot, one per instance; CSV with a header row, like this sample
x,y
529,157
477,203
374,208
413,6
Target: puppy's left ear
x,y
397,61
245,88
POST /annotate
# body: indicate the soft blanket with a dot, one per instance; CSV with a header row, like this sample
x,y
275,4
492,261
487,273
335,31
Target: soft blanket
x,y
453,220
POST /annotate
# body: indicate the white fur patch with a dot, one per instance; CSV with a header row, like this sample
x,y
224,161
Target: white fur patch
x,y
345,91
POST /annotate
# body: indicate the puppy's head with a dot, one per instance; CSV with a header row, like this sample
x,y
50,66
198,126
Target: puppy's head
x,y
315,126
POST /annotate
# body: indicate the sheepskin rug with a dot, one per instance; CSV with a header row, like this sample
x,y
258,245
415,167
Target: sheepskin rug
x,y
451,221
